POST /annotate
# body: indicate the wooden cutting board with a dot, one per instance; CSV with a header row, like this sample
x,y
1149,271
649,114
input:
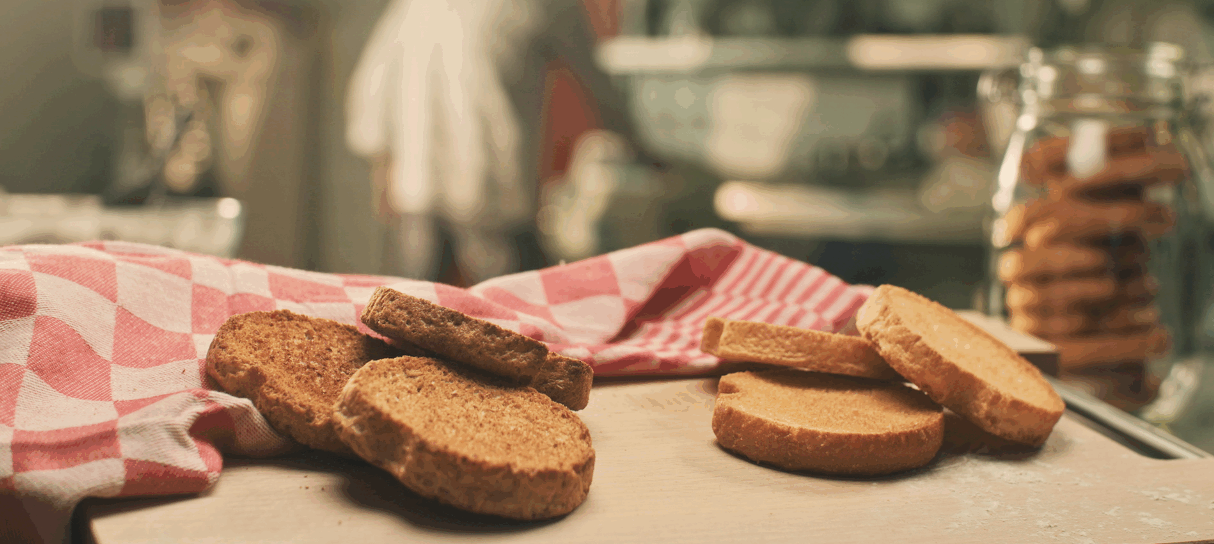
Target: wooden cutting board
x,y
660,477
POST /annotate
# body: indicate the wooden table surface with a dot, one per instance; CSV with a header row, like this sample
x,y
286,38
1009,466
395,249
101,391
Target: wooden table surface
x,y
660,477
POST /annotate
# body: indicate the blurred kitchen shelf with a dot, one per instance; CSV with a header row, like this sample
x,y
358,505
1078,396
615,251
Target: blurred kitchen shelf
x,y
212,226
883,215
630,55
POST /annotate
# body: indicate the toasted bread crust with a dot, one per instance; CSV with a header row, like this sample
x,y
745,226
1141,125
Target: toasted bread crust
x,y
831,424
749,341
510,452
454,335
994,388
292,367
565,380
710,339
480,344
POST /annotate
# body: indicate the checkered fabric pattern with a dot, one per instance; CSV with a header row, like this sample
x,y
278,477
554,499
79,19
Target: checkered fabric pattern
x,y
103,390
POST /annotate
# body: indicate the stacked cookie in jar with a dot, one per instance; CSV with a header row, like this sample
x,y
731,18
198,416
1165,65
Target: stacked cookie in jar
x,y
1098,233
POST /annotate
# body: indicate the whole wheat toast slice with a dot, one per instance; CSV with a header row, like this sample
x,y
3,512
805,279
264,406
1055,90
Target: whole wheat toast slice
x,y
750,341
292,367
479,343
824,423
960,366
467,438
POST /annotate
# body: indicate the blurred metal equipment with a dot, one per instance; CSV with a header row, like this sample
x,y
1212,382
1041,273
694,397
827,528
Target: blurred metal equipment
x,y
640,54
815,128
211,226
110,41
217,96
605,201
893,215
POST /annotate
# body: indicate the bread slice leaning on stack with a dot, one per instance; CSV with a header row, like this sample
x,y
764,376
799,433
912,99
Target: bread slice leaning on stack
x,y
292,367
960,365
755,342
467,438
479,343
800,420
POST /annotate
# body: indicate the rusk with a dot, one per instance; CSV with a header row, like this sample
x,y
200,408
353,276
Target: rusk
x,y
565,380
467,438
960,366
292,367
749,341
800,420
479,343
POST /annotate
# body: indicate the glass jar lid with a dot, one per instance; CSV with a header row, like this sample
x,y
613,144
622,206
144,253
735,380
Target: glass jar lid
x,y
1095,80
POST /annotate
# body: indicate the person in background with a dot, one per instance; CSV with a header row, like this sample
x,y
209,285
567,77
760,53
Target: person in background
x,y
447,102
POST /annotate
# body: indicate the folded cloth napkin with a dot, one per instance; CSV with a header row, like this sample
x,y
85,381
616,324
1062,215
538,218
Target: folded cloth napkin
x,y
103,390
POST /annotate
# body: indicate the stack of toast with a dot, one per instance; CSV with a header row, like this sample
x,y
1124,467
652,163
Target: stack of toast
x,y
458,409
873,404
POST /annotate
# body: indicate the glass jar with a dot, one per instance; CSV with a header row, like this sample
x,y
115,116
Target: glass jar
x,y
1099,225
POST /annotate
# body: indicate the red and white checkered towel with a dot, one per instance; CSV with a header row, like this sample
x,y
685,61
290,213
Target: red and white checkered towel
x,y
102,384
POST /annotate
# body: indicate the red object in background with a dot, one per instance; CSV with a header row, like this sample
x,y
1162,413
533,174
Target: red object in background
x,y
604,17
568,110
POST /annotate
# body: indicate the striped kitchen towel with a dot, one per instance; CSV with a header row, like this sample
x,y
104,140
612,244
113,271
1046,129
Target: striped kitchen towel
x,y
102,384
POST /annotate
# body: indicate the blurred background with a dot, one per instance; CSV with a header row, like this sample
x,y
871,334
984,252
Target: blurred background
x,y
457,140
809,127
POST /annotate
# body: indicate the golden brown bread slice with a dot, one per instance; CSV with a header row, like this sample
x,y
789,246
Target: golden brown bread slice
x,y
467,438
800,420
293,367
960,366
478,343
750,341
